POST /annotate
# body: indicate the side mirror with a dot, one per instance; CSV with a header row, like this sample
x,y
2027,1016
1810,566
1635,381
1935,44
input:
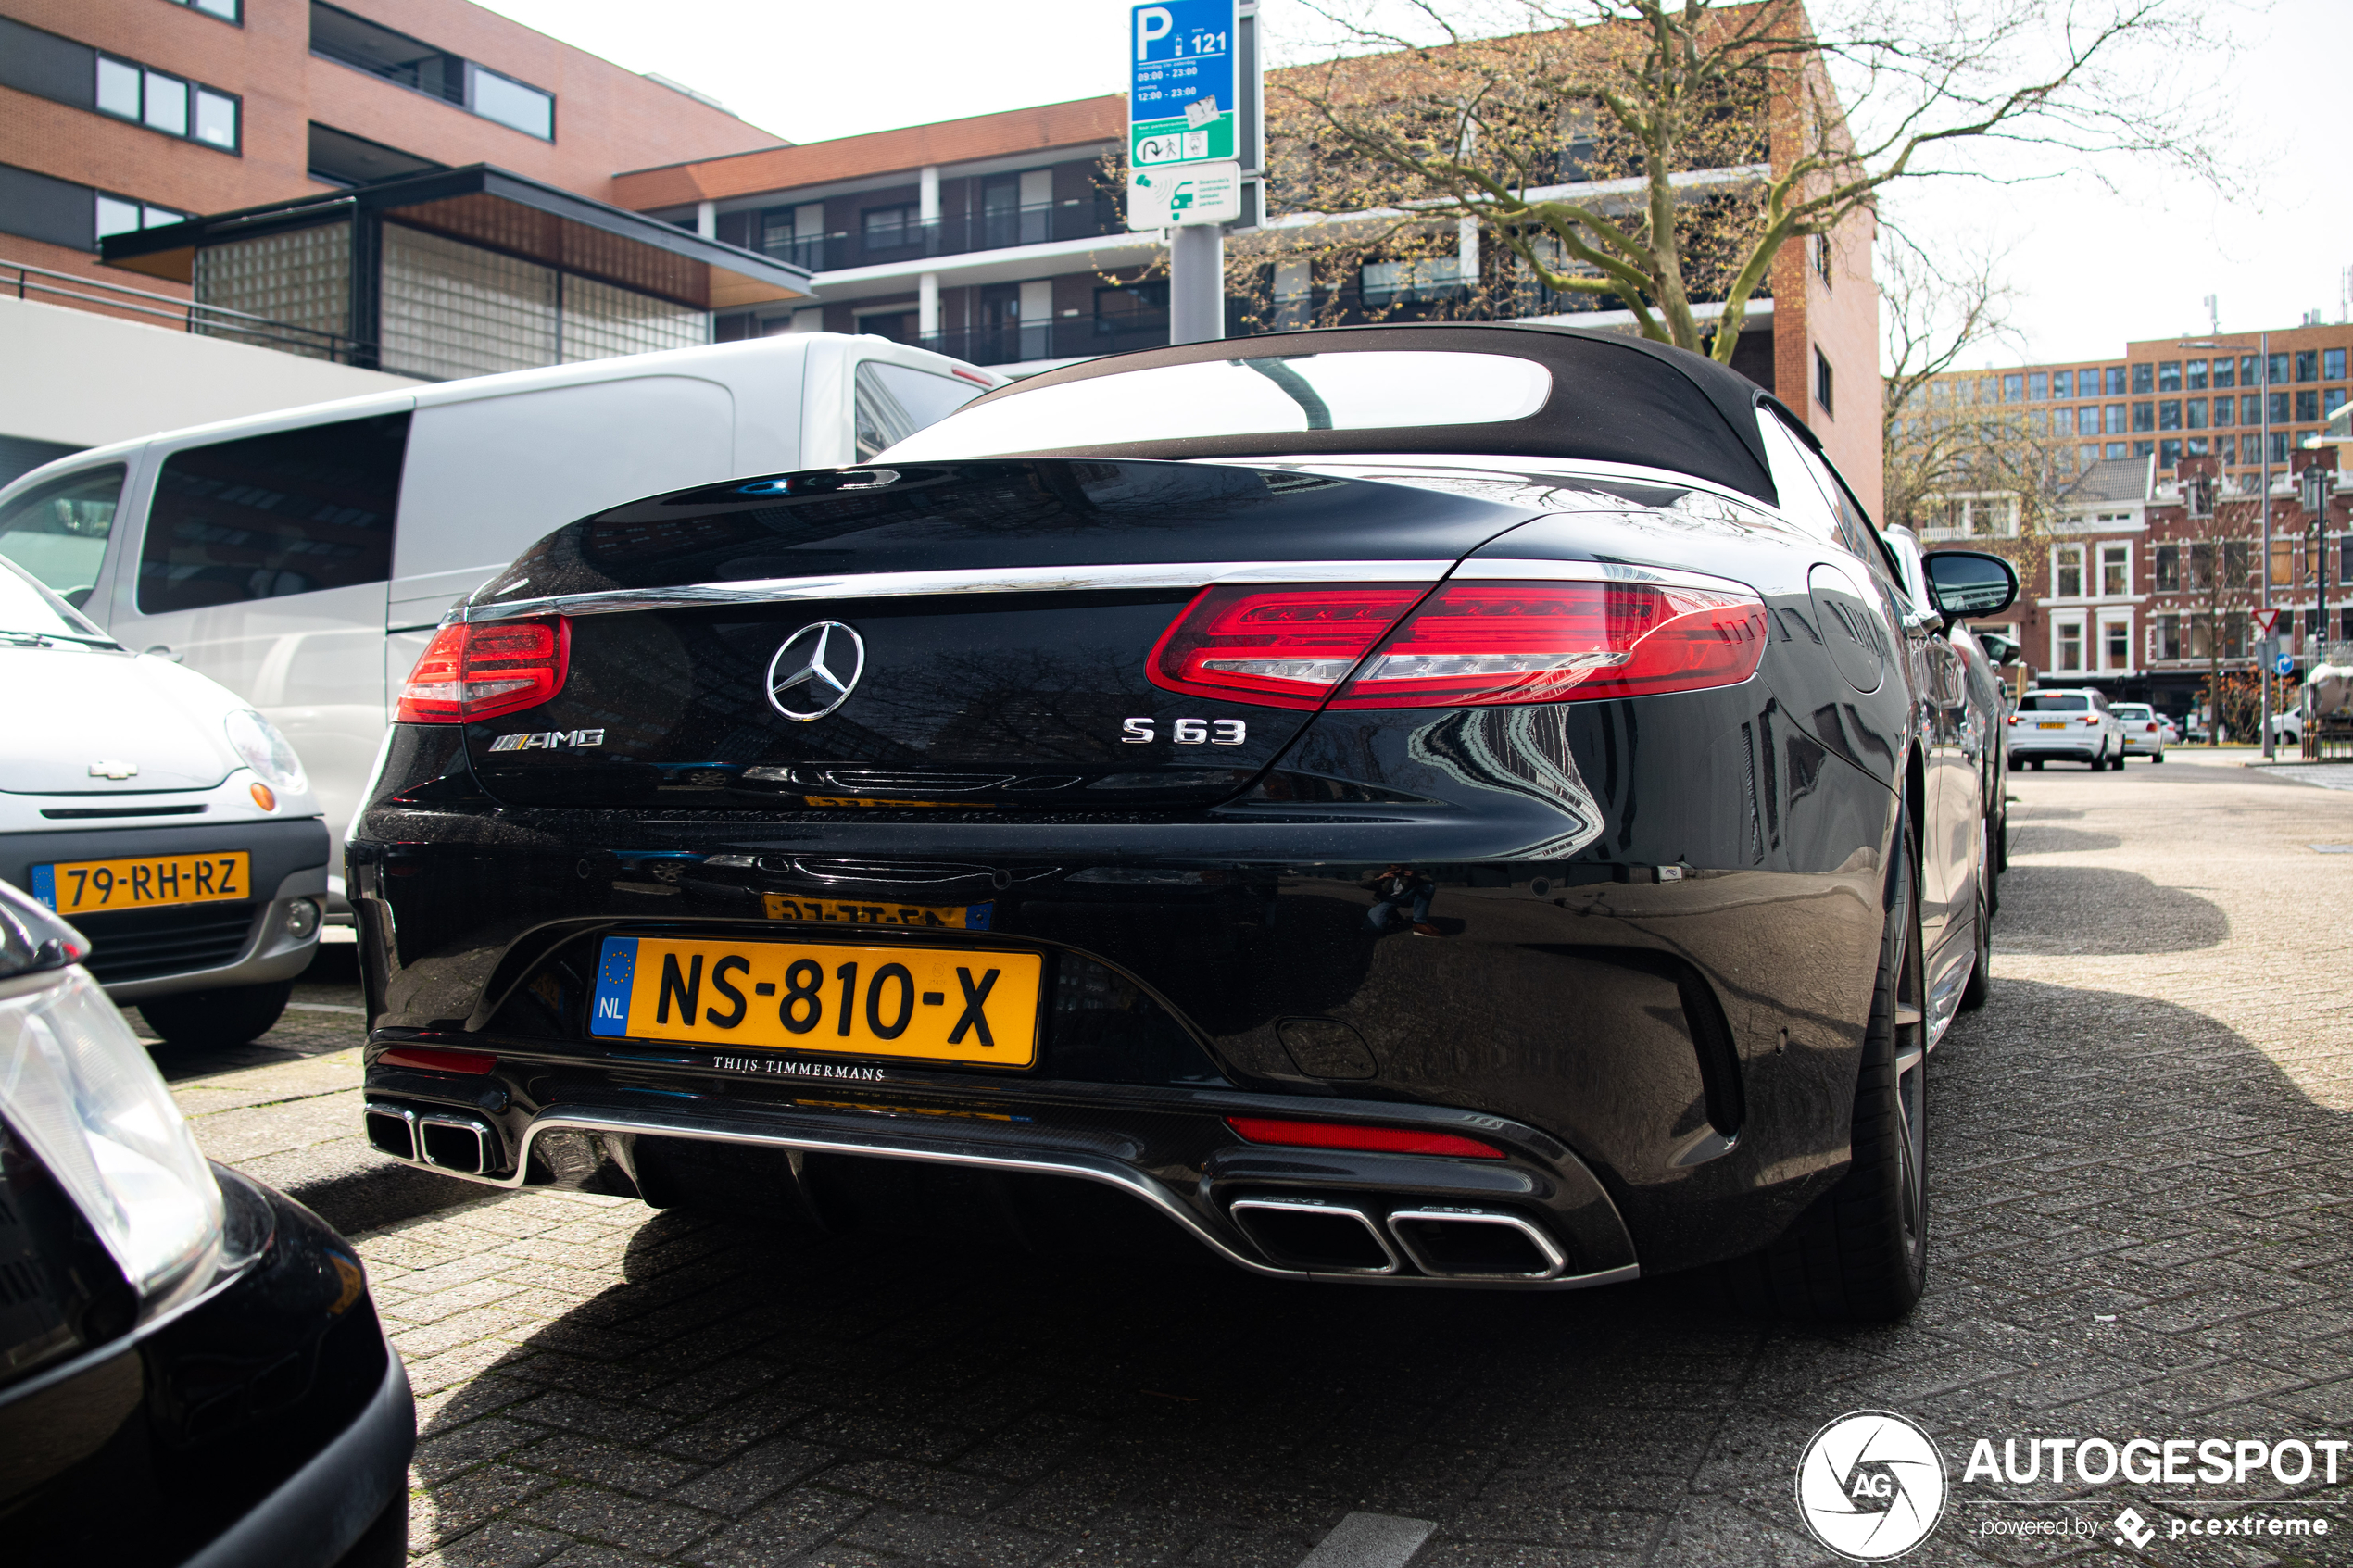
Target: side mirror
x,y
2000,650
1967,582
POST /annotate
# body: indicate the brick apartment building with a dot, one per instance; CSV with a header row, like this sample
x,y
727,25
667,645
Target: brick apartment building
x,y
2124,588
124,118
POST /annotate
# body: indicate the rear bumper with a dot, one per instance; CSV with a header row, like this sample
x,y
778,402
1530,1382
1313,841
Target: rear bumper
x,y
157,952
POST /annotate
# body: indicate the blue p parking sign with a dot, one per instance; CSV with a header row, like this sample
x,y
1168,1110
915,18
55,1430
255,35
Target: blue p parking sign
x,y
1183,82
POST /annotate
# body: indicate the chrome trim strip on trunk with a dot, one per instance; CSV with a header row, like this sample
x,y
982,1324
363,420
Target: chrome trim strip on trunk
x,y
1488,569
1110,1172
982,580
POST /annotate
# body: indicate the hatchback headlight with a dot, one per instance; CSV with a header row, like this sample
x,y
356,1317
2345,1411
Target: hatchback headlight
x,y
266,751
78,1087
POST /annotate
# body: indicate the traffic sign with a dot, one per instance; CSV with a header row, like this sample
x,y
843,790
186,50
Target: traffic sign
x,y
2266,622
2286,665
1184,85
1172,196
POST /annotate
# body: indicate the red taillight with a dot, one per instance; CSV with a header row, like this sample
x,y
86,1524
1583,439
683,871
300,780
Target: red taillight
x,y
2091,718
1342,1135
473,1063
1468,643
1275,648
471,672
2152,729
1482,643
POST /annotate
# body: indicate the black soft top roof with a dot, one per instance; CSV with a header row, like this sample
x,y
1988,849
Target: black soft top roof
x,y
1615,399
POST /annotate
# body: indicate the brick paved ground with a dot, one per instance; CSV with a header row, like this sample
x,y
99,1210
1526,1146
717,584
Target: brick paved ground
x,y
2141,1177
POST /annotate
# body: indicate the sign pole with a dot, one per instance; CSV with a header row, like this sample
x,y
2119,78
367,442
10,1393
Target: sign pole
x,y
1196,283
1193,159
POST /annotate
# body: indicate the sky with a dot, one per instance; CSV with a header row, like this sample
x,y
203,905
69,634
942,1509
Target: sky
x,y
2094,256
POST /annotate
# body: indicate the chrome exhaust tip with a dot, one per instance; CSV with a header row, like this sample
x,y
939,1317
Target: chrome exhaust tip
x,y
455,1143
1317,1235
1450,1243
392,1129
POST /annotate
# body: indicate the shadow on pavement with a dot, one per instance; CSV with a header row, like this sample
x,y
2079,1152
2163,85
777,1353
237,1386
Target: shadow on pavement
x,y
2097,910
2133,1225
2033,839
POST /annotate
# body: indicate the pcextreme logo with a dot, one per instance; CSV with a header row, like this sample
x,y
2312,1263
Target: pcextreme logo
x,y
1871,1485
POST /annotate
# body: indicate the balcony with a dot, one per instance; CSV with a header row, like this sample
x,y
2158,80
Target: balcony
x,y
884,244
1069,338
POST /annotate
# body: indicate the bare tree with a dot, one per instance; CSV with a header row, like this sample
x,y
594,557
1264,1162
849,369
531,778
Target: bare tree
x,y
1663,155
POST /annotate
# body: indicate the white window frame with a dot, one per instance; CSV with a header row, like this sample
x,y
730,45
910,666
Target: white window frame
x,y
2100,549
2099,653
2061,624
2058,555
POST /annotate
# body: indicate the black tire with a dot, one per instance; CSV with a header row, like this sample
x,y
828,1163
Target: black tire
x,y
1860,1254
2118,763
2037,764
228,1017
2158,757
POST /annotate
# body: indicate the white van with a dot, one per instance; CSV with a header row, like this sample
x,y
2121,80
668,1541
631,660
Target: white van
x,y
301,558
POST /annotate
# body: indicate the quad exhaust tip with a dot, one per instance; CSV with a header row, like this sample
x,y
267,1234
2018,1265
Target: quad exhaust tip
x,y
442,1139
1319,1235
1454,1243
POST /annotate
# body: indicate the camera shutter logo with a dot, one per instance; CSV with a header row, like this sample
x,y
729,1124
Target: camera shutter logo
x,y
1871,1485
815,670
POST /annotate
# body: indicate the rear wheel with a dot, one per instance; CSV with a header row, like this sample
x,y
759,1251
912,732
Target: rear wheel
x,y
2037,764
229,1017
1860,1253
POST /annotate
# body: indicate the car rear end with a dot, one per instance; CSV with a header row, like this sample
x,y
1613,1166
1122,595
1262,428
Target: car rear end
x,y
2062,726
2144,729
982,842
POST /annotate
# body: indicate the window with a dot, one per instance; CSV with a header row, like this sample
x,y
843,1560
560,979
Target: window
x,y
2250,370
272,515
2278,407
1822,388
2115,423
2332,364
2251,408
2071,646
2307,406
2037,423
2067,571
2344,559
2233,637
2227,447
2112,450
2087,420
166,103
227,10
2116,645
2308,365
2165,636
2062,383
2168,414
120,215
2169,569
2116,573
2086,455
2225,407
2013,389
511,104
892,402
2143,448
2279,447
2332,400
2144,416
2195,447
2168,376
2038,386
2223,373
886,227
396,57
2195,378
2238,556
2144,378
2201,576
2277,369
2168,451
58,532
2194,414
2116,381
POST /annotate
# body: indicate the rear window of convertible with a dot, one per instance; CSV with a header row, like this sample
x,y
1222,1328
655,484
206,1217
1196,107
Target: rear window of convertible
x,y
1367,389
2060,704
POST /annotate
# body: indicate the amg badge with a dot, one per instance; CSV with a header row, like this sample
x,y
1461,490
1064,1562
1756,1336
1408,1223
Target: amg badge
x,y
549,740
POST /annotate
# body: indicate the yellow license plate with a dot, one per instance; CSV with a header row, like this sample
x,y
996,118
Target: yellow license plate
x,y
2060,725
931,1004
145,882
846,911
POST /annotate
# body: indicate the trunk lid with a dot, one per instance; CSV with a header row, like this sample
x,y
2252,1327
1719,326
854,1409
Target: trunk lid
x,y
993,622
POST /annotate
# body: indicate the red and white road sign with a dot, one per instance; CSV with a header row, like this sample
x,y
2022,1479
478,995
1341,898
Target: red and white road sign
x,y
2266,621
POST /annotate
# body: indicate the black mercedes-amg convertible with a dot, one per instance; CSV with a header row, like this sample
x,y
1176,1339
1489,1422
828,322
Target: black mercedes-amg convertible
x,y
1438,805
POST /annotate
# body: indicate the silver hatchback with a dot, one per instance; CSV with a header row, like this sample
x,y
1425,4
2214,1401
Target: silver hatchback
x,y
2068,725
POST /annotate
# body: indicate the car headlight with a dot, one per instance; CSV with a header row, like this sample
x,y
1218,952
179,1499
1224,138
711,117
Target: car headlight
x,y
78,1087
266,751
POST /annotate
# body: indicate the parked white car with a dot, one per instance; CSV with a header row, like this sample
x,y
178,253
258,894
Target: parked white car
x,y
2065,725
302,558
162,816
2145,730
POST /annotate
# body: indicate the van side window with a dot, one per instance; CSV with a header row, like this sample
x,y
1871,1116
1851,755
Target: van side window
x,y
272,515
895,401
59,530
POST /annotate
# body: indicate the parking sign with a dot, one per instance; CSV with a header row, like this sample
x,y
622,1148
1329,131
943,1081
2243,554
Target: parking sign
x,y
1183,82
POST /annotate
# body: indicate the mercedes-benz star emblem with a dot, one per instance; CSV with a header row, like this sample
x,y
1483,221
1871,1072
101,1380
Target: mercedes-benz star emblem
x,y
814,671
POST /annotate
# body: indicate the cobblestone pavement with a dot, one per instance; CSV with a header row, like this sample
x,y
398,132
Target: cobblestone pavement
x,y
2141,1180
